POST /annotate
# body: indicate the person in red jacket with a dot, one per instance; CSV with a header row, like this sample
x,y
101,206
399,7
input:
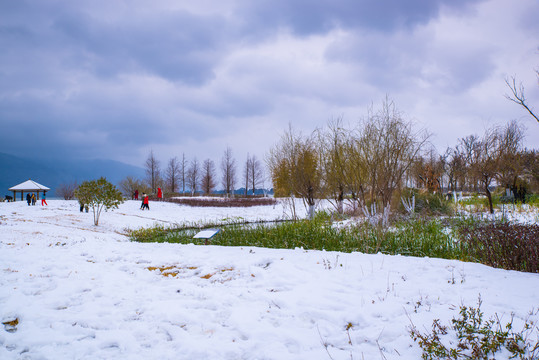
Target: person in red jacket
x,y
145,202
159,194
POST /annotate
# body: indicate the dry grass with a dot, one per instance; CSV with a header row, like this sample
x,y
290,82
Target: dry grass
x,y
175,270
171,271
223,202
11,325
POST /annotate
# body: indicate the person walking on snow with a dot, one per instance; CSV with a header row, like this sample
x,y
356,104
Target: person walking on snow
x,y
28,199
33,199
43,199
159,194
146,202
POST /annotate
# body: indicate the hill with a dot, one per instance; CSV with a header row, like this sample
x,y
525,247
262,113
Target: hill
x,y
51,173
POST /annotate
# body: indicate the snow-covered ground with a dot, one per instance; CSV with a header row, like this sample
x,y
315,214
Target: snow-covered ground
x,y
77,291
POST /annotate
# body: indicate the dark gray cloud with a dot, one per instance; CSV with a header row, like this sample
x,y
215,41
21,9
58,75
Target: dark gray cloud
x,y
177,46
396,62
310,17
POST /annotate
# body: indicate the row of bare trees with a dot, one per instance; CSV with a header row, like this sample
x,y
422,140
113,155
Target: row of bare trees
x,y
369,163
365,163
477,163
192,176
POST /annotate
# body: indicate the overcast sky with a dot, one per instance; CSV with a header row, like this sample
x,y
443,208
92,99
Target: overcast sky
x,y
114,79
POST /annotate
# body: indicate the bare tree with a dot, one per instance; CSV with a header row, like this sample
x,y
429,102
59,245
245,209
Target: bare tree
x,y
129,184
530,161
183,171
246,174
510,158
173,174
295,168
517,94
469,148
356,171
496,155
428,171
455,169
256,173
389,146
67,190
153,171
487,164
193,176
335,161
228,168
207,182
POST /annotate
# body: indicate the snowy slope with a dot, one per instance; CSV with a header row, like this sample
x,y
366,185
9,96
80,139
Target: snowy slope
x,y
85,292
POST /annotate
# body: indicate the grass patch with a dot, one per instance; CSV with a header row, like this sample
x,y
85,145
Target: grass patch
x,y
532,199
418,237
499,244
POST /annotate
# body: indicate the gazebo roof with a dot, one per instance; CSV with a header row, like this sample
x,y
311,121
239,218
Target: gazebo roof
x,y
28,185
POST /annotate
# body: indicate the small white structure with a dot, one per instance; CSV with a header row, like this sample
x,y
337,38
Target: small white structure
x,y
206,235
28,186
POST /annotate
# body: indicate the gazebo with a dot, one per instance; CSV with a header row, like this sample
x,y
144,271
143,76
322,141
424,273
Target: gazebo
x,y
28,186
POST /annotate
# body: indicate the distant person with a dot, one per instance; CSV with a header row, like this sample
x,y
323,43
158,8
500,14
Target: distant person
x,y
44,199
33,199
145,202
142,203
136,194
159,194
81,206
28,199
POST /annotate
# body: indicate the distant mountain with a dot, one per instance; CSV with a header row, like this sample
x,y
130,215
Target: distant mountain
x,y
51,173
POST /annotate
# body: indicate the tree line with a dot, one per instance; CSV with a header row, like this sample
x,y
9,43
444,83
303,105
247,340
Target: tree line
x,y
190,176
370,163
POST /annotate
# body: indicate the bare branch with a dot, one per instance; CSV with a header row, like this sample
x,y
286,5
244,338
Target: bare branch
x,y
518,96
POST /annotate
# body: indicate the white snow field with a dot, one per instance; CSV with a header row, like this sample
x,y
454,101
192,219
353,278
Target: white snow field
x,y
71,290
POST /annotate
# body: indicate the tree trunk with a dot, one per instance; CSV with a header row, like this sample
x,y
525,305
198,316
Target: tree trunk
x,y
489,197
311,212
340,200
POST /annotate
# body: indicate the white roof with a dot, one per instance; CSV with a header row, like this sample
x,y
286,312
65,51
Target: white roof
x,y
28,185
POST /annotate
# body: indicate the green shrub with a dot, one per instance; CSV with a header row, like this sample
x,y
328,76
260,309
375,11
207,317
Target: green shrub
x,y
532,199
428,204
99,195
472,337
433,204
